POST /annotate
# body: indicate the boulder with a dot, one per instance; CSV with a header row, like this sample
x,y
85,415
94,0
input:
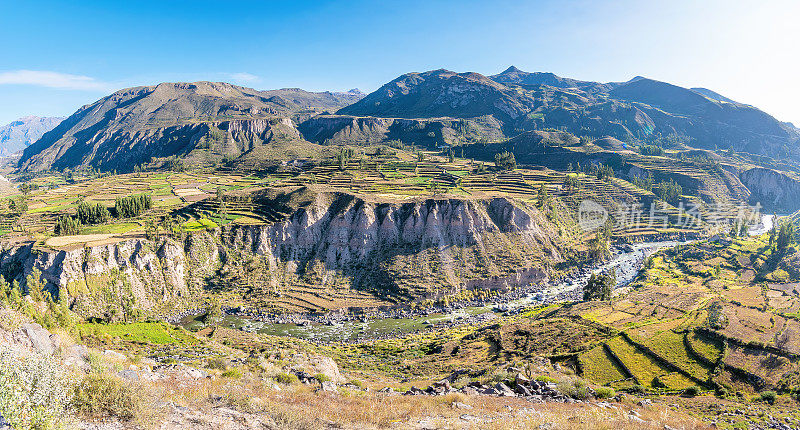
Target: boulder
x,y
39,337
328,386
504,390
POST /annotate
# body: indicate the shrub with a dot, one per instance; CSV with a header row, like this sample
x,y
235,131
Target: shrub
x,y
102,395
545,378
34,390
285,378
768,396
321,377
575,388
233,372
605,392
691,391
505,160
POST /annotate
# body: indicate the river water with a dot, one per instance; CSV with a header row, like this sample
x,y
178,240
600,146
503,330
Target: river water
x,y
626,261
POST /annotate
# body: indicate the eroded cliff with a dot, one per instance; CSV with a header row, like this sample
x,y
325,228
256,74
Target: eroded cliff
x,y
334,250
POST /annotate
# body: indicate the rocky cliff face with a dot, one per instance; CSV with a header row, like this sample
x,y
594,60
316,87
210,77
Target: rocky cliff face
x,y
331,248
129,277
343,129
774,190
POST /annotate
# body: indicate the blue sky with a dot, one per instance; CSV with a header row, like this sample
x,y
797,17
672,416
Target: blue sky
x,y
59,55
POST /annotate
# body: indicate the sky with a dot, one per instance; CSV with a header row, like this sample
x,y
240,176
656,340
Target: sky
x,y
56,56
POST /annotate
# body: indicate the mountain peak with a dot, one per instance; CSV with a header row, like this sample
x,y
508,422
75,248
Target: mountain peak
x,y
512,69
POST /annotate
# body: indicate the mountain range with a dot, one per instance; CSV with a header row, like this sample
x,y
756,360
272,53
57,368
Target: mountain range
x,y
17,135
206,121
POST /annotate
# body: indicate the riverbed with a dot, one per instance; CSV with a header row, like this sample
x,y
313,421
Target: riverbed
x,y
626,260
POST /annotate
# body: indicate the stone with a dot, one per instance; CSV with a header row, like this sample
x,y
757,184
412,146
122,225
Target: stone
x,y
328,386
520,379
130,375
459,405
504,390
39,337
470,391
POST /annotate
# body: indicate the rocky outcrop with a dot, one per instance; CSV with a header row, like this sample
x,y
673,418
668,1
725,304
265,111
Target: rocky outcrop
x,y
774,190
121,278
333,242
343,129
411,249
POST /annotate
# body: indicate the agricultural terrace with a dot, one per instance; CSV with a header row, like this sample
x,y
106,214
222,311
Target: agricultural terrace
x,y
379,172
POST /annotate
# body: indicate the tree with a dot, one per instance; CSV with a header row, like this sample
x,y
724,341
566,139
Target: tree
x,y
600,286
505,161
132,206
785,236
33,283
151,229
67,226
92,213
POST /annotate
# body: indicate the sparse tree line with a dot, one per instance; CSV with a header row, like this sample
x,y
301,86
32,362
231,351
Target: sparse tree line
x,y
89,213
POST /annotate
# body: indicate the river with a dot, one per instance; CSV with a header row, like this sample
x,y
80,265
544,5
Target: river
x,y
626,260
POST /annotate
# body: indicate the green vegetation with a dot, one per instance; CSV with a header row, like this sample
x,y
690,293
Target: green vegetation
x,y
128,207
92,213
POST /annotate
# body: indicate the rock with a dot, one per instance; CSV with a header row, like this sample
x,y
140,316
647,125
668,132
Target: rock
x,y
39,337
504,390
114,355
635,419
644,402
445,384
459,405
522,390
520,379
470,391
130,375
76,355
3,423
328,386
327,367
55,340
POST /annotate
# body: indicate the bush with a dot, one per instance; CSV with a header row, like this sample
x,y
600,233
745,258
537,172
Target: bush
x,y
285,378
34,390
505,161
575,388
101,395
321,377
232,373
605,392
768,396
691,391
545,378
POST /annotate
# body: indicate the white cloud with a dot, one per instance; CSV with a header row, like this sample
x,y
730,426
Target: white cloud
x,y
244,77
50,79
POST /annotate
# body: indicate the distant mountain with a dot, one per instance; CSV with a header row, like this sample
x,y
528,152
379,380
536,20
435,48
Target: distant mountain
x,y
712,95
17,135
136,125
641,108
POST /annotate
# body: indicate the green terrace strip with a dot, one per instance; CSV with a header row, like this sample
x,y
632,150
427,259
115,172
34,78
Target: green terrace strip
x,y
154,333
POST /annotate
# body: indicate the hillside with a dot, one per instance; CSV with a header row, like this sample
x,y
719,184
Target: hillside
x,y
17,135
641,109
133,125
